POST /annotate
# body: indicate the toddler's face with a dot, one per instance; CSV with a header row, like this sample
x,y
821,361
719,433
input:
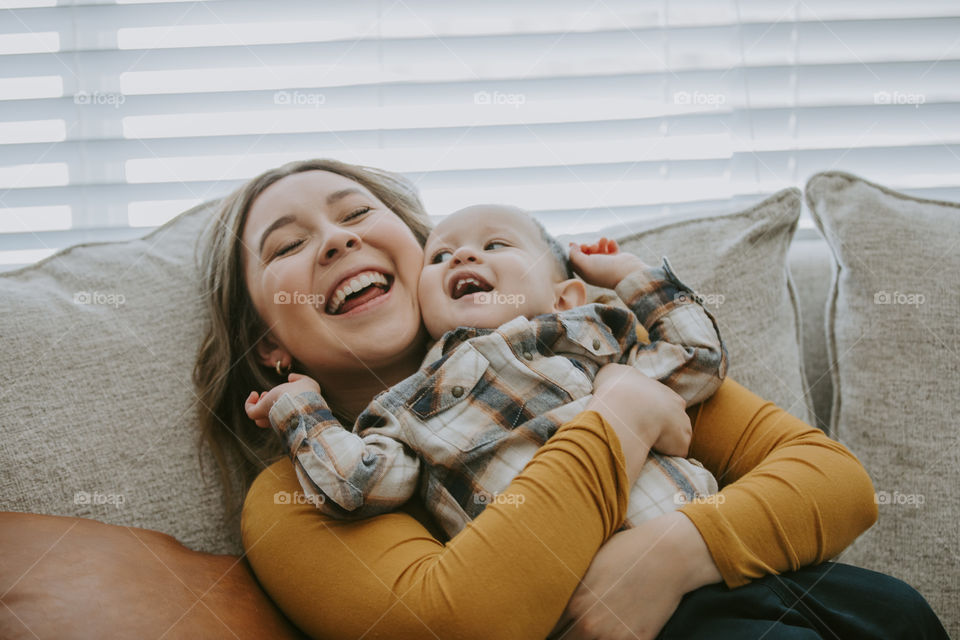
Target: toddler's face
x,y
483,266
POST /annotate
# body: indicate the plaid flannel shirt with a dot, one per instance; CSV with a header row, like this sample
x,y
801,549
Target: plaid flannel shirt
x,y
463,426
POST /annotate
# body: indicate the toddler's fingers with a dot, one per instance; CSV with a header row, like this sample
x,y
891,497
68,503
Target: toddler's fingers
x,y
589,249
251,409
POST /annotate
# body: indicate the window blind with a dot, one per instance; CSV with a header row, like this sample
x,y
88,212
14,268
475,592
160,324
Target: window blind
x,y
114,117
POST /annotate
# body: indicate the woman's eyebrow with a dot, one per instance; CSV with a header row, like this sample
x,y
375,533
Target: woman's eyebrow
x,y
343,193
276,224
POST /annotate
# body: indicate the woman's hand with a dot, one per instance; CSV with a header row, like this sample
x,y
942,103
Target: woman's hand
x,y
643,412
636,581
258,406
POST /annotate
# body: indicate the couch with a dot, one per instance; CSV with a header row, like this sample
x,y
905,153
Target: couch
x,y
116,525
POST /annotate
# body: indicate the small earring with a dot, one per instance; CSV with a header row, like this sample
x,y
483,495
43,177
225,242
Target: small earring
x,y
282,373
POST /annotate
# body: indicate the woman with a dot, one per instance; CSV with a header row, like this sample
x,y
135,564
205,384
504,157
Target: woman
x,y
292,234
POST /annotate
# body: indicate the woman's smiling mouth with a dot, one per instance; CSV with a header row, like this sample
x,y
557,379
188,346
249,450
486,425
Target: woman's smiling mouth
x,y
357,290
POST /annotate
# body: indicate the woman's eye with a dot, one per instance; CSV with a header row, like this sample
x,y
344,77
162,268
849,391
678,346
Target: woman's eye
x,y
286,248
356,214
440,256
492,243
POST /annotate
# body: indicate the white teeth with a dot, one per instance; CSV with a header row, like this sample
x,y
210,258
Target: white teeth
x,y
462,283
357,283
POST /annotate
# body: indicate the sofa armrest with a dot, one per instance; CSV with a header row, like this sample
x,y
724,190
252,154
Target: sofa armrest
x,y
73,577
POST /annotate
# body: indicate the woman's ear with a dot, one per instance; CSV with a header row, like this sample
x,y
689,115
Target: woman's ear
x,y
269,351
569,294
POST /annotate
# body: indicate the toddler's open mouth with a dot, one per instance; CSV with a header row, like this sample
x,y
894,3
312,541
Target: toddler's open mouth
x,y
467,282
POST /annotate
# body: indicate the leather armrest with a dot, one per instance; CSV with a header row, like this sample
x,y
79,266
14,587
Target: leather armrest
x,y
63,577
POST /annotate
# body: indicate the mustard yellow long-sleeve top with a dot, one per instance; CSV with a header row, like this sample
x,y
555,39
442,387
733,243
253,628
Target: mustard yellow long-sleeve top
x,y
791,497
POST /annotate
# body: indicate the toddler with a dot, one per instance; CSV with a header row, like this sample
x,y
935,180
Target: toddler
x,y
515,356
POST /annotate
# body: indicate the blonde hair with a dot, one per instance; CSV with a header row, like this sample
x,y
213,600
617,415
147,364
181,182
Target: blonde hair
x,y
227,367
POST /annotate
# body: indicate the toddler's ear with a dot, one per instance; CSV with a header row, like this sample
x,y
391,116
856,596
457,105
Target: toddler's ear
x,y
569,294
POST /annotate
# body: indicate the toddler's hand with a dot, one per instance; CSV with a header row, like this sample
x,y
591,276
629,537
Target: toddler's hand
x,y
601,263
258,406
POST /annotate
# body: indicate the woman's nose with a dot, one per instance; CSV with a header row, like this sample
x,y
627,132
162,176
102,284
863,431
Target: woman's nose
x,y
339,242
464,254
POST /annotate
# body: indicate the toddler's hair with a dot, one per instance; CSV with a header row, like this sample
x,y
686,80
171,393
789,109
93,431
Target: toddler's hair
x,y
560,256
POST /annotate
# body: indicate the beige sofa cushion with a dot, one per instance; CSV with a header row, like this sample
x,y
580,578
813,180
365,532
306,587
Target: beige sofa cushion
x,y
737,262
99,414
811,265
894,348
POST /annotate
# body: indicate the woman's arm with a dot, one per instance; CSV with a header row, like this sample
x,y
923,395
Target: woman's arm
x,y
797,497
509,574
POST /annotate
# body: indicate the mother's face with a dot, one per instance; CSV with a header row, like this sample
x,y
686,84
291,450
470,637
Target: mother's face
x,y
333,273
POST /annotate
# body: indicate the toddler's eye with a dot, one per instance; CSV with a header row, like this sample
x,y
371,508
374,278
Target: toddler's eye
x,y
492,244
440,256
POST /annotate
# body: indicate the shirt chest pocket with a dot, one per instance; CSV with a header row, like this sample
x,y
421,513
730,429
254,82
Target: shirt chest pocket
x,y
450,409
588,337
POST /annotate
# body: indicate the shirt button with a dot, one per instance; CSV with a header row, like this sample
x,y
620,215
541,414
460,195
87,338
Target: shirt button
x,y
596,344
457,391
527,355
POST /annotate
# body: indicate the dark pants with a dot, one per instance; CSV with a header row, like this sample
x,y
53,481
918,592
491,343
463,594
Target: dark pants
x,y
831,600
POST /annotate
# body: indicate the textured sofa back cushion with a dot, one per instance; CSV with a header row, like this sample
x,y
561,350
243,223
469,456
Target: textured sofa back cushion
x,y
894,350
811,267
99,416
737,263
